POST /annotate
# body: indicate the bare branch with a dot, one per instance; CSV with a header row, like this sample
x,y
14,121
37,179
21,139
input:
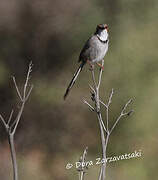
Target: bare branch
x,y
100,174
95,97
110,97
13,156
84,154
125,106
103,104
101,123
11,126
25,97
104,131
93,78
100,75
130,112
92,88
91,107
107,118
3,121
27,79
122,114
28,94
83,165
101,120
18,117
103,140
17,89
10,117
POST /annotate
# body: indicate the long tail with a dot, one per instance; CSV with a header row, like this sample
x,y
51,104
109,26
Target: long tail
x,y
74,79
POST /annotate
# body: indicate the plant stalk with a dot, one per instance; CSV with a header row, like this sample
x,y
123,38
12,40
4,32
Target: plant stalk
x,y
13,156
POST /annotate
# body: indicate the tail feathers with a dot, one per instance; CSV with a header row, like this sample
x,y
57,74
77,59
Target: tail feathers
x,y
74,79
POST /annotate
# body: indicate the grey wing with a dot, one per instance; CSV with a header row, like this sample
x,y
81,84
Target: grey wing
x,y
86,51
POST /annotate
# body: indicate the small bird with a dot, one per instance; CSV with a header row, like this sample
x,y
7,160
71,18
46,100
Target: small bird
x,y
93,51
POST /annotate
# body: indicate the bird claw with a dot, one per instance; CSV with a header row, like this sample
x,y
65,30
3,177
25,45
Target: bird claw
x,y
101,67
91,67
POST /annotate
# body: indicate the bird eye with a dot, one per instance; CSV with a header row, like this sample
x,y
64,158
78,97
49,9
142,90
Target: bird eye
x,y
106,27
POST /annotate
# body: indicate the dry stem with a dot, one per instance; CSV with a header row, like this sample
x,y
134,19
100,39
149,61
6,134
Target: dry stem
x,y
82,167
105,130
11,125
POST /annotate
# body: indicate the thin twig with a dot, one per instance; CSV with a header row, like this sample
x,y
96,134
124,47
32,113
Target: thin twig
x,y
103,104
27,79
90,106
107,109
107,118
110,97
13,156
100,75
97,102
10,117
83,165
3,121
125,106
103,167
122,114
18,117
25,97
100,174
29,92
101,123
17,89
11,126
92,88
104,131
101,120
94,81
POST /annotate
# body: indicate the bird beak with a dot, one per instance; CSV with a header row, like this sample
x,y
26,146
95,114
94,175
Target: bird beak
x,y
106,27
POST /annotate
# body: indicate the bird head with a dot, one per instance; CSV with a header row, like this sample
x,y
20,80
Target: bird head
x,y
102,31
102,27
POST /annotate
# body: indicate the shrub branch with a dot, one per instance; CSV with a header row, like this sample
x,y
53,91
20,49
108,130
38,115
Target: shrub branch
x,y
105,130
11,125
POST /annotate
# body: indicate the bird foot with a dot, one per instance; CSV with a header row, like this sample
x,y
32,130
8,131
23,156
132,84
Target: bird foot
x,y
91,65
102,67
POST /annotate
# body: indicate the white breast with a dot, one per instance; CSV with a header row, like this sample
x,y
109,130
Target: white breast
x,y
101,50
103,35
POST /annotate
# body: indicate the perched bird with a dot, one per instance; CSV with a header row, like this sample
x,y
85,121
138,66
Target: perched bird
x,y
93,51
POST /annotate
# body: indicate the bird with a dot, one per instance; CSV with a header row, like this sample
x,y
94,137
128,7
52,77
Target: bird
x,y
92,52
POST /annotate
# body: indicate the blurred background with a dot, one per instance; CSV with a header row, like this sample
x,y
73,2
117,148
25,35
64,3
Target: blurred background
x,y
53,132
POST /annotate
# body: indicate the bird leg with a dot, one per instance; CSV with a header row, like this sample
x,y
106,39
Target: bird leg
x,y
102,67
91,65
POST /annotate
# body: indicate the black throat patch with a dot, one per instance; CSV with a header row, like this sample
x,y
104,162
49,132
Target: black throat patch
x,y
105,42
